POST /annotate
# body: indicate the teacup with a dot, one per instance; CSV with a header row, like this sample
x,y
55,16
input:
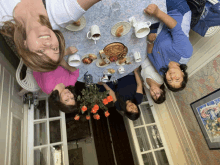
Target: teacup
x,y
104,78
137,57
142,29
94,33
74,60
121,70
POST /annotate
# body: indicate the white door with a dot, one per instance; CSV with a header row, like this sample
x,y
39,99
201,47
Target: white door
x,y
11,116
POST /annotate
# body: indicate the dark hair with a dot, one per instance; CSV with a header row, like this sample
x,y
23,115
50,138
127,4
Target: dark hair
x,y
54,101
122,104
162,97
183,67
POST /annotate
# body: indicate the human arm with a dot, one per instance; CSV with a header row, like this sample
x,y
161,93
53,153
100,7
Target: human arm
x,y
138,80
150,44
64,64
111,92
86,4
153,10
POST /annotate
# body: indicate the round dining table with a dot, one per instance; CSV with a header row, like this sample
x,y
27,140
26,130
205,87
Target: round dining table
x,y
106,14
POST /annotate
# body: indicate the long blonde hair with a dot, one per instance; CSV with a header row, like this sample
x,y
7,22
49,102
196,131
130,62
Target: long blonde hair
x,y
38,63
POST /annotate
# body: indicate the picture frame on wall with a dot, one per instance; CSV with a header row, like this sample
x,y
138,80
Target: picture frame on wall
x,y
207,112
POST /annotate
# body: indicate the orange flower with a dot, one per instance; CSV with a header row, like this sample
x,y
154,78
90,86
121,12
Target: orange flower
x,y
105,101
93,110
96,116
76,117
84,108
96,107
110,98
107,113
87,117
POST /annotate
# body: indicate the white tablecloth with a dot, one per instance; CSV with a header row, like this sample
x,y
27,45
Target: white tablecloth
x,y
101,14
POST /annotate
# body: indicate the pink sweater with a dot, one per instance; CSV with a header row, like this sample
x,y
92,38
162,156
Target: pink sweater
x,y
48,80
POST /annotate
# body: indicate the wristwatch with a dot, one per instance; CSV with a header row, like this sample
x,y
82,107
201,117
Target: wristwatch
x,y
150,42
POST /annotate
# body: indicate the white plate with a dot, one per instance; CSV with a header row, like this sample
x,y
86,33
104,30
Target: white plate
x,y
117,63
98,61
74,28
126,26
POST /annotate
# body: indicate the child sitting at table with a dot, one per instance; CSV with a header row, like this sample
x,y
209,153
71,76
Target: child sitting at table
x,y
153,81
127,95
59,84
170,51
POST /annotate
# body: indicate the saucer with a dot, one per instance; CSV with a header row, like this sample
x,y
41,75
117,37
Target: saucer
x,y
98,61
126,26
74,28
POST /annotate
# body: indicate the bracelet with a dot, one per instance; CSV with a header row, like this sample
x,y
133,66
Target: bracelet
x,y
150,42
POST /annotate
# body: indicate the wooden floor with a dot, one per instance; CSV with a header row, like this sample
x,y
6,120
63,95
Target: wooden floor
x,y
204,50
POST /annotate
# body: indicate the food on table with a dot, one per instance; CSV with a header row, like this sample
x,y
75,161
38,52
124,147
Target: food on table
x,y
119,30
116,49
122,61
127,62
103,57
111,71
92,56
102,63
77,23
113,58
87,60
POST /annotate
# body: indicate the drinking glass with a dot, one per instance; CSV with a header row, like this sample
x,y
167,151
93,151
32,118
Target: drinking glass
x,y
115,10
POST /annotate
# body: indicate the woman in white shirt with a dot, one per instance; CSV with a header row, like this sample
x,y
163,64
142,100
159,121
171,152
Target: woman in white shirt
x,y
153,81
35,30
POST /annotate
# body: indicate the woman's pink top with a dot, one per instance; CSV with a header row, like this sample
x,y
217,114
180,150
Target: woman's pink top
x,y
48,80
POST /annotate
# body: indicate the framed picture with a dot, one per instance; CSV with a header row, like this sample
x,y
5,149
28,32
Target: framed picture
x,y
207,112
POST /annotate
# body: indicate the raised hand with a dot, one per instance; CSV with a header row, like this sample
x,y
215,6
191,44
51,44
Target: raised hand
x,y
152,10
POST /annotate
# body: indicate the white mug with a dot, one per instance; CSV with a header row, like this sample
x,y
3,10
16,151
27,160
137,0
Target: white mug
x,y
104,79
142,29
121,69
74,60
94,33
137,56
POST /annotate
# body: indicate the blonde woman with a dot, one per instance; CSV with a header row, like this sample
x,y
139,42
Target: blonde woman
x,y
35,28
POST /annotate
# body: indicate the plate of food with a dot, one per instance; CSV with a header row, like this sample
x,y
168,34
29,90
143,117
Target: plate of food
x,y
101,63
115,51
89,58
120,29
78,25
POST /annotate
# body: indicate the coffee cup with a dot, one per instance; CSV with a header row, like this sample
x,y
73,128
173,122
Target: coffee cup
x,y
94,33
137,57
74,60
104,78
142,29
121,70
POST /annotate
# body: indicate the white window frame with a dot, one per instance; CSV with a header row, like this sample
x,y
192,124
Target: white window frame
x,y
157,123
30,143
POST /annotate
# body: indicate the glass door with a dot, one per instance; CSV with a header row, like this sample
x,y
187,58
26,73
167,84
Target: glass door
x,y
47,141
149,144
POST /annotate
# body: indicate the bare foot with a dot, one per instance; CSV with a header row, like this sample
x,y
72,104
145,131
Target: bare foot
x,y
70,50
152,37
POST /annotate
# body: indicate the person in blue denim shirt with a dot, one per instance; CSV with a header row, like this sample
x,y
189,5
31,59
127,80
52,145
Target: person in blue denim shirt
x,y
171,49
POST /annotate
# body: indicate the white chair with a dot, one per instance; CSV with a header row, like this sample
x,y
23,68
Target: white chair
x,y
28,83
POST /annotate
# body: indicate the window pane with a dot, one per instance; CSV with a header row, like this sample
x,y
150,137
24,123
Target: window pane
x,y
147,113
154,136
56,157
148,159
40,156
142,139
40,110
40,134
138,122
161,157
55,134
144,98
53,111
